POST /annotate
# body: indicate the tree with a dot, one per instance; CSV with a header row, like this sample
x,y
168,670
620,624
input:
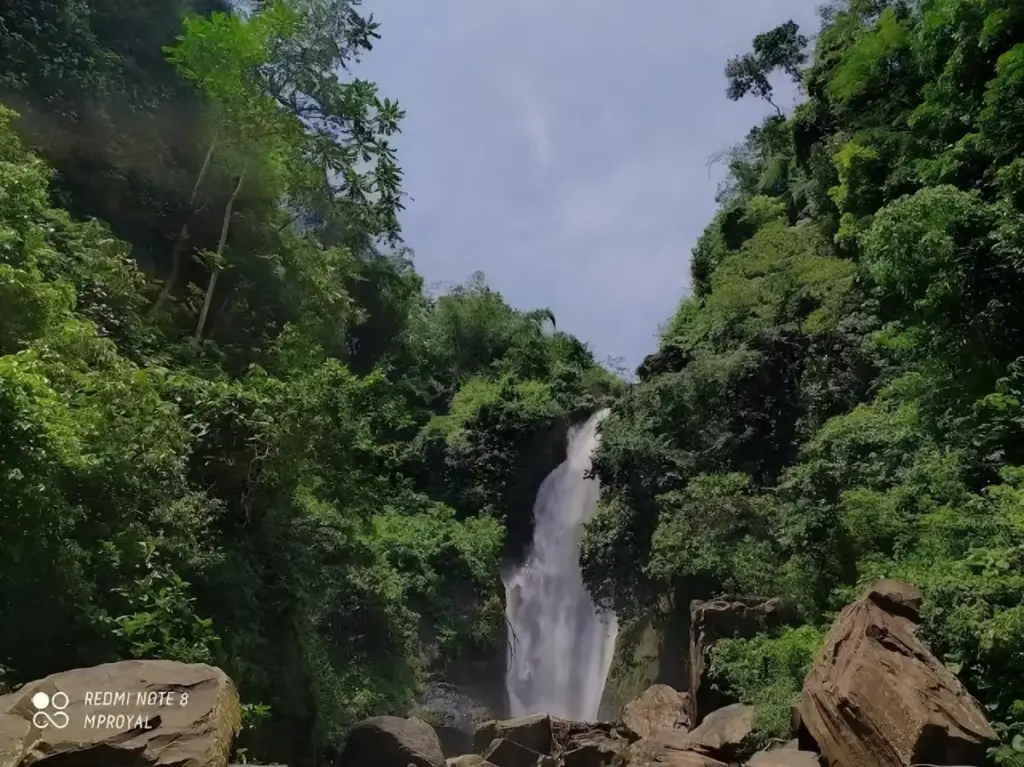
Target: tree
x,y
223,55
781,48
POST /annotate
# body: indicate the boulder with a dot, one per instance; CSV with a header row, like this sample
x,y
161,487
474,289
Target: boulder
x,y
508,753
595,749
533,732
659,708
652,753
876,695
784,757
139,712
723,733
801,735
390,741
469,760
453,740
730,615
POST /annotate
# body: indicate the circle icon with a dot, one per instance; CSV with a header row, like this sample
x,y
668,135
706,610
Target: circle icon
x,y
42,718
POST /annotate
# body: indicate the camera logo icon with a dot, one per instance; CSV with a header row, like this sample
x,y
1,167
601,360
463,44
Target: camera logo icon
x,y
42,718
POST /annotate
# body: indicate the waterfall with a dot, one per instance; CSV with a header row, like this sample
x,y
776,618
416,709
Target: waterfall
x,y
560,646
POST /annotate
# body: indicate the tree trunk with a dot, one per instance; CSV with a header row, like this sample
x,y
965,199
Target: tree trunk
x,y
179,244
212,284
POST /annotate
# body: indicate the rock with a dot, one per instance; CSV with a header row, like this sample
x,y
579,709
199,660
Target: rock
x,y
533,732
451,706
162,727
670,359
469,760
390,741
651,753
595,749
726,616
876,695
659,708
507,753
453,740
784,757
801,735
723,732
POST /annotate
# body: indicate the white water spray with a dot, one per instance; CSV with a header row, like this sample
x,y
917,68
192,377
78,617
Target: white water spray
x,y
561,646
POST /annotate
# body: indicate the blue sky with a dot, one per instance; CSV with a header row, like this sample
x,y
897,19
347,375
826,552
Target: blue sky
x,y
562,147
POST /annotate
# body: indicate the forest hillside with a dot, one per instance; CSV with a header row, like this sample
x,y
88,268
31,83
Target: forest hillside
x,y
841,398
234,428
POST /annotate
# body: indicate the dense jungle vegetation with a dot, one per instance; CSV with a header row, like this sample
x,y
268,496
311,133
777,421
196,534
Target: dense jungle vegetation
x,y
234,427
842,396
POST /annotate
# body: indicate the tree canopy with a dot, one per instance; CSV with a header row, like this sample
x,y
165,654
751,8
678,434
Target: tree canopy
x,y
839,399
233,426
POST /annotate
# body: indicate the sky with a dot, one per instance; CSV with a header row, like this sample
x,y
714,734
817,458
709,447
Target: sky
x,y
562,147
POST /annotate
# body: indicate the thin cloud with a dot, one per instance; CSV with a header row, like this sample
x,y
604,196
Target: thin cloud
x,y
562,148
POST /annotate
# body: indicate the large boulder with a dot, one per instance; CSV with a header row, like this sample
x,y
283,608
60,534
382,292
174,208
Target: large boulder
x,y
454,741
503,752
659,753
784,757
659,708
876,695
532,732
141,713
597,747
724,733
469,760
726,616
390,741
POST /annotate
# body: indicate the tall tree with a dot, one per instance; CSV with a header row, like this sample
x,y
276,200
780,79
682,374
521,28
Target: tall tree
x,y
783,48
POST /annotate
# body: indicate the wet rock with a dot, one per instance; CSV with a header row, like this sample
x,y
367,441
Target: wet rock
x,y
726,616
659,708
508,753
532,732
187,716
876,695
723,733
390,741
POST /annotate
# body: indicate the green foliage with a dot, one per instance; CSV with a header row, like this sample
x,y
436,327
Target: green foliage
x,y
840,399
782,48
716,529
317,496
767,673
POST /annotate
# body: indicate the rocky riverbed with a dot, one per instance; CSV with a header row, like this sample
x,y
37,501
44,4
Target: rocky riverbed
x,y
875,697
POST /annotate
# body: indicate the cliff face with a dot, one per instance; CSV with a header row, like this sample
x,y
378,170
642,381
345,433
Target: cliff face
x,y
652,649
539,456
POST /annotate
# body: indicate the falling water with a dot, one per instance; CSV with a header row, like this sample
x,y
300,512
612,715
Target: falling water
x,y
561,646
